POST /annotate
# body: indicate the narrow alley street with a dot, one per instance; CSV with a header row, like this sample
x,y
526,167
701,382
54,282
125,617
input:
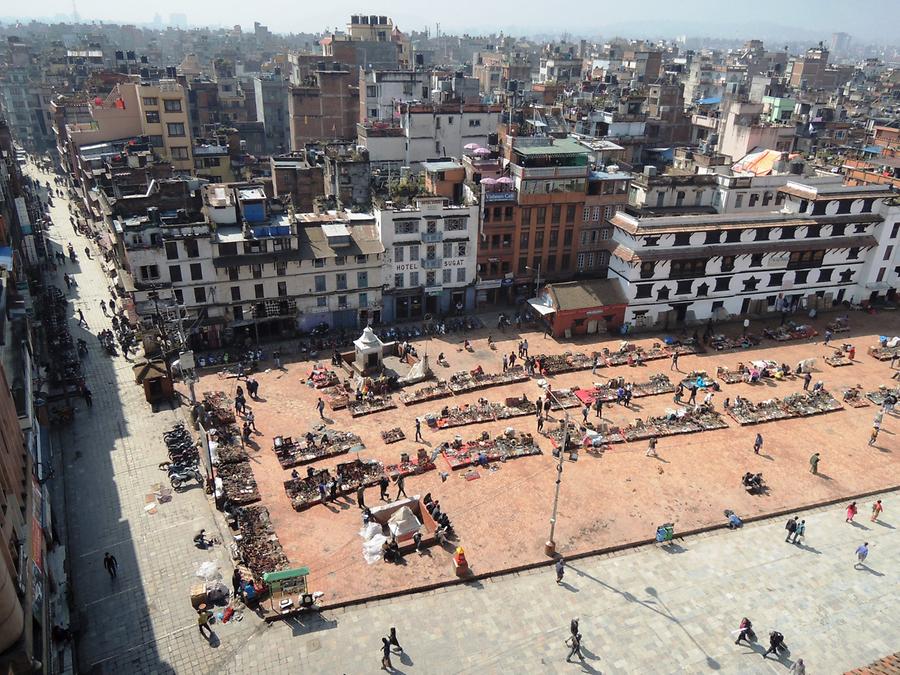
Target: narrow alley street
x,y
142,620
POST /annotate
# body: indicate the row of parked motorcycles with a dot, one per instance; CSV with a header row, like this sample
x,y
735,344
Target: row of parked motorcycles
x,y
184,458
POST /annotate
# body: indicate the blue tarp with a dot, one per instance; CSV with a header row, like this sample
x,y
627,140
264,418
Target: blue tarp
x,y
873,149
712,100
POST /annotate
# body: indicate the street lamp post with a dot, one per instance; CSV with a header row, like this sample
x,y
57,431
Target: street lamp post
x,y
550,544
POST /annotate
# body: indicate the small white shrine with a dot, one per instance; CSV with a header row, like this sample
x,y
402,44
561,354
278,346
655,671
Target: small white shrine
x,y
369,352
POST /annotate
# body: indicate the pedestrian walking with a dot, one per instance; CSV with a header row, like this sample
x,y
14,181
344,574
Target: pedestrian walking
x,y
692,399
203,617
111,565
88,397
745,630
574,644
386,654
651,447
584,413
383,484
419,438
675,362
560,570
392,638
791,527
251,420
851,512
894,357
776,642
547,406
814,464
525,347
504,363
875,429
877,508
827,339
596,365
103,307
401,486
861,554
276,356
598,407
799,668
807,378
361,496
320,406
758,443
540,422
81,320
573,627
800,531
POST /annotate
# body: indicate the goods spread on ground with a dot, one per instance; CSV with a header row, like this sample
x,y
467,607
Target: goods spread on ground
x,y
408,466
439,389
219,408
596,434
681,421
697,378
259,546
853,396
476,379
840,325
564,398
886,348
304,491
337,396
484,450
838,359
238,482
370,404
321,377
800,404
791,331
609,391
754,372
225,446
319,443
723,342
879,395
554,364
480,412
394,435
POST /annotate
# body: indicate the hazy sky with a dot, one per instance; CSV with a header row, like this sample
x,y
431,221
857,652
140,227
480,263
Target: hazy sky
x,y
864,19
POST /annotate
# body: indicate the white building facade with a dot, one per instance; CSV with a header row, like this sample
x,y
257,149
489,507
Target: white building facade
x,y
816,248
430,258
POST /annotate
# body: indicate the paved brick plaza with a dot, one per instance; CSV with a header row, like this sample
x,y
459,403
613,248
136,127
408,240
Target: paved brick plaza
x,y
502,519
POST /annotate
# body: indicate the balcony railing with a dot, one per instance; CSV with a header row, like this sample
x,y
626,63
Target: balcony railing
x,y
431,264
432,237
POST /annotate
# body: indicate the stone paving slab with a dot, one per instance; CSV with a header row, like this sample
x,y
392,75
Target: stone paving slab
x,y
648,611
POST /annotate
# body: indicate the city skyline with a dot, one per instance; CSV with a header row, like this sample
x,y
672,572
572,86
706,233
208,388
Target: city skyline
x,y
700,18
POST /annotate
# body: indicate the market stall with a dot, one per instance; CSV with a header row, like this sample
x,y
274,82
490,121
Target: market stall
x,y
480,412
258,543
721,342
238,482
431,392
879,395
320,443
854,397
394,435
463,382
409,466
684,420
370,404
484,450
791,331
321,377
799,404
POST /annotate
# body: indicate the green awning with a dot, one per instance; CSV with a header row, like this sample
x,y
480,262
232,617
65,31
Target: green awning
x,y
269,577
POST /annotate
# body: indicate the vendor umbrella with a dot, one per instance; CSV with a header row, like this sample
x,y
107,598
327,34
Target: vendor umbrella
x,y
471,146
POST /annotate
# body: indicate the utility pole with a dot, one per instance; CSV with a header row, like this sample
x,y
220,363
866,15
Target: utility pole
x,y
550,544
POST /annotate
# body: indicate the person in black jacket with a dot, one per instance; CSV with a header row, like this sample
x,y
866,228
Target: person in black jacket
x,y
776,642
